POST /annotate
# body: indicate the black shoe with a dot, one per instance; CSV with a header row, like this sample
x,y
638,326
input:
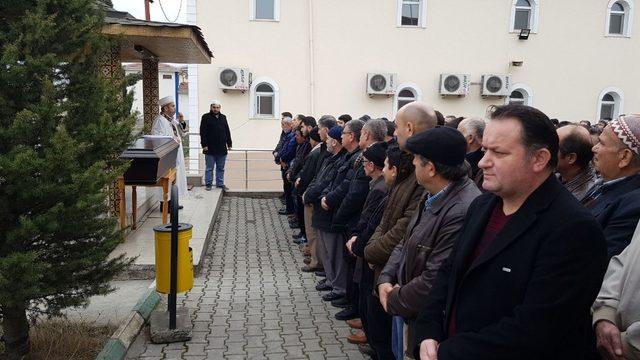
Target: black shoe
x,y
347,314
331,296
321,273
284,212
223,187
297,236
294,225
368,350
300,241
207,187
323,287
308,269
341,303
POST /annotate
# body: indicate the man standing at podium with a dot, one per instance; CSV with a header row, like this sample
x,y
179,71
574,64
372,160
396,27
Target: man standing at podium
x,y
165,125
215,138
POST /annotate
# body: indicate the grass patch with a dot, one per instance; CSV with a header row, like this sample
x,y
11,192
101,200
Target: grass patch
x,y
66,339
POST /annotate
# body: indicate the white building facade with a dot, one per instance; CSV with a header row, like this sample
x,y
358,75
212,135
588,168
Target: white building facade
x,y
313,56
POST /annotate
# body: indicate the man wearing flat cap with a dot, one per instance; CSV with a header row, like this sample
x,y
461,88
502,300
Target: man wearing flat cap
x,y
165,125
215,139
408,276
527,264
615,202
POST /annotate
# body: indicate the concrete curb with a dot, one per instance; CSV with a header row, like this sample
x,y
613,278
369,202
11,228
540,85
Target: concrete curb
x,y
198,269
117,346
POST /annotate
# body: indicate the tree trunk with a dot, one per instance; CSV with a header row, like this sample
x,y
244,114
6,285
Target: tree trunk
x,y
16,332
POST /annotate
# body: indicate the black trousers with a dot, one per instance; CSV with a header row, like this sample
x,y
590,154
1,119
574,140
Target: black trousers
x,y
379,328
299,206
353,290
288,192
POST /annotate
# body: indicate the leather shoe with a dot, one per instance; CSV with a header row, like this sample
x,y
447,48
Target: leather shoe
x,y
367,350
347,314
321,273
308,269
296,236
340,303
358,337
355,323
284,212
332,296
294,225
307,261
324,287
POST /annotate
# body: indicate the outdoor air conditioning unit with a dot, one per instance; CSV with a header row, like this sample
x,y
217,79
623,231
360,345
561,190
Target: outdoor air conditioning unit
x,y
454,84
496,85
234,79
381,84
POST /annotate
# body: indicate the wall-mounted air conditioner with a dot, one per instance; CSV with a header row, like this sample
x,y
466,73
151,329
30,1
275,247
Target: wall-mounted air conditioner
x,y
496,85
234,79
381,84
455,84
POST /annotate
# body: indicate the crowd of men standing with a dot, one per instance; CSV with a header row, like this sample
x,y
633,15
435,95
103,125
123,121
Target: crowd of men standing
x,y
466,239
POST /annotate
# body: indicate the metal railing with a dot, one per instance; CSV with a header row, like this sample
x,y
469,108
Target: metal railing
x,y
247,169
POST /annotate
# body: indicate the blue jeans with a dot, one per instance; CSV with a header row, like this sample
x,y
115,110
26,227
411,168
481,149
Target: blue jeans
x,y
396,337
218,161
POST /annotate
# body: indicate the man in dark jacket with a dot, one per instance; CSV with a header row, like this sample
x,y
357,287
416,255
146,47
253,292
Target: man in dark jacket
x,y
215,138
287,154
529,260
321,219
285,125
333,236
373,159
348,213
310,171
616,201
407,278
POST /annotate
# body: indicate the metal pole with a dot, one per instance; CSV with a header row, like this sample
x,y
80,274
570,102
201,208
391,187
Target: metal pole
x,y
174,258
246,170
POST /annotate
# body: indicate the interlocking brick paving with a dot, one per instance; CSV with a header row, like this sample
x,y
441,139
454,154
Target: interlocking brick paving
x,y
252,301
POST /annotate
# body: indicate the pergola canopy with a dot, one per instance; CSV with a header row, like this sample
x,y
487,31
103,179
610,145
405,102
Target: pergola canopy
x,y
167,42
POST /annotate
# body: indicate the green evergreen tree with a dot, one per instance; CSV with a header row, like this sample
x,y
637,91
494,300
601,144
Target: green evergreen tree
x,y
62,127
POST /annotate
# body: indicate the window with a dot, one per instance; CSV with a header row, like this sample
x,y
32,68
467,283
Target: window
x,y
524,15
412,13
619,18
264,10
264,101
521,94
610,104
407,93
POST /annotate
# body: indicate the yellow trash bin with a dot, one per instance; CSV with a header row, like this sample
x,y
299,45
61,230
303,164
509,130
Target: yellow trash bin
x,y
163,258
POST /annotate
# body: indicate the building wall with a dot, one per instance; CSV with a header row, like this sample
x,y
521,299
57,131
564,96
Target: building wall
x,y
567,63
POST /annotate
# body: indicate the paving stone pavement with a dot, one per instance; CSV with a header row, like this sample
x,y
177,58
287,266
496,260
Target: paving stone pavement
x,y
252,301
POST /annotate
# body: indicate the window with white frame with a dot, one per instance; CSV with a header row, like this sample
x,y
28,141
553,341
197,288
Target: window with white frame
x,y
265,9
405,97
521,94
264,99
619,18
406,93
524,15
412,13
610,106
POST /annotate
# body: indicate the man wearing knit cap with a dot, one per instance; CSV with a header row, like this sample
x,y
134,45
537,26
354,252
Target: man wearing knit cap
x,y
408,276
164,124
321,218
615,202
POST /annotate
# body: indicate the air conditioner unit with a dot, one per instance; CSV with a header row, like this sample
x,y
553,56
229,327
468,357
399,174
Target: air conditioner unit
x,y
496,85
381,84
455,84
234,79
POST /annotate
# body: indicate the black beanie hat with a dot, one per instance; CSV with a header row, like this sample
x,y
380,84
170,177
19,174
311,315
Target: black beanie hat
x,y
376,153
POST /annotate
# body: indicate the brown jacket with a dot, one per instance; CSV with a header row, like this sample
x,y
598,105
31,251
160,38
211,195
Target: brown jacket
x,y
430,237
401,204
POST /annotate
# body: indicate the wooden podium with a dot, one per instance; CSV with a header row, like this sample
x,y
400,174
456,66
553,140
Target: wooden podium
x,y
164,182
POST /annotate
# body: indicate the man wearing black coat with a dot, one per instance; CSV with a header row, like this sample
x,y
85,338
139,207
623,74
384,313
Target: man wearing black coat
x,y
528,263
215,138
